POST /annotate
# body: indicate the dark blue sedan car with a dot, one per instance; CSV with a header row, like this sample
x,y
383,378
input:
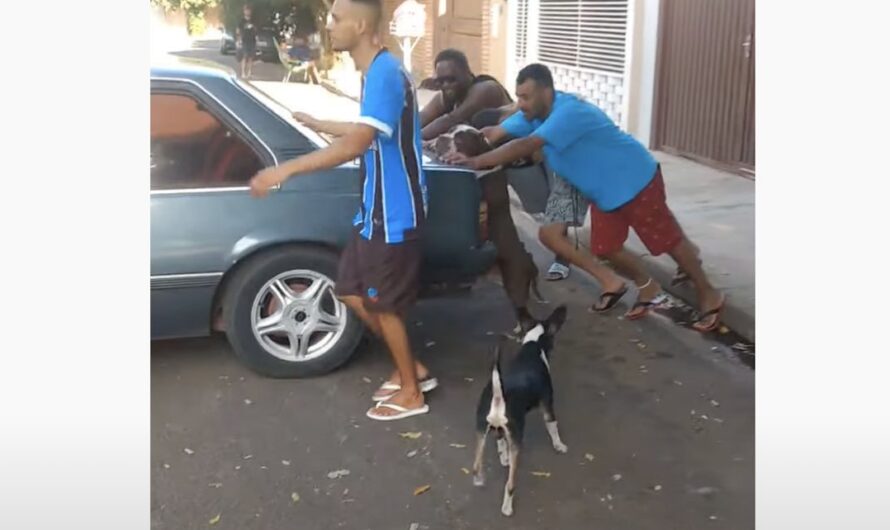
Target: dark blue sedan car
x,y
263,270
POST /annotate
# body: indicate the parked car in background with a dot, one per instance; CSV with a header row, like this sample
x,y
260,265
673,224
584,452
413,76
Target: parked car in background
x,y
265,268
226,41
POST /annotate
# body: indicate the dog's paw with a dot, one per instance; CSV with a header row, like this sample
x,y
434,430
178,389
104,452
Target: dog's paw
x,y
478,481
507,508
561,447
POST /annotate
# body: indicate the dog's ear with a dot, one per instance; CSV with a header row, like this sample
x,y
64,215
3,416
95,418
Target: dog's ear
x,y
556,319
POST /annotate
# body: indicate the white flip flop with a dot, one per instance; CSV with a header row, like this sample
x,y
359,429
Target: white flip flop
x,y
426,385
402,412
557,272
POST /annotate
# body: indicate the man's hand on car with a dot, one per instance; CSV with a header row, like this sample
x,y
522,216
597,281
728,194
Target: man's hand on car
x,y
460,159
265,180
306,120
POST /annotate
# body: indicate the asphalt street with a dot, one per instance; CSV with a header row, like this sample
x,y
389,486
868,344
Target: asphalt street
x,y
659,422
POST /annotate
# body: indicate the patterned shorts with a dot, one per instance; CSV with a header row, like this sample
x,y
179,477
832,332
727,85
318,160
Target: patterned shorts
x,y
647,213
565,204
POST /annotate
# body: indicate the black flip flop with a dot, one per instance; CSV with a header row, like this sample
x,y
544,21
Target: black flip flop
x,y
716,311
645,305
613,296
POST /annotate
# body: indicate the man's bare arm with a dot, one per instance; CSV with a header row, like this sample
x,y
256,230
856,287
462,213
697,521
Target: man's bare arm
x,y
432,110
510,152
483,96
345,148
495,134
333,128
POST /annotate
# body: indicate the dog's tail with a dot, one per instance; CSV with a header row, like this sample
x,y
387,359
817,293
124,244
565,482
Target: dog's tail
x,y
497,386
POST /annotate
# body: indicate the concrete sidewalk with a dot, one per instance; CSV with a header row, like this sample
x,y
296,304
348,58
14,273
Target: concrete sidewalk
x,y
716,210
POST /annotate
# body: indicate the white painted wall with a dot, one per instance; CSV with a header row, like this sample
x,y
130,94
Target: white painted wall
x,y
641,87
629,98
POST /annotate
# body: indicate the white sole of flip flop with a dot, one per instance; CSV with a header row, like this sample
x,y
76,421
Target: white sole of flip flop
x,y
425,386
401,414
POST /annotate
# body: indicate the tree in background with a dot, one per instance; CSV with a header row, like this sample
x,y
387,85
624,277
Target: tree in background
x,y
194,12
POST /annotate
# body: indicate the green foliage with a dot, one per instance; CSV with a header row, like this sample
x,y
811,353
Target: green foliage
x,y
189,6
194,11
286,16
196,23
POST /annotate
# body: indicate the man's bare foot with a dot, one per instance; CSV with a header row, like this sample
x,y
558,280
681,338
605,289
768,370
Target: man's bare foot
x,y
402,399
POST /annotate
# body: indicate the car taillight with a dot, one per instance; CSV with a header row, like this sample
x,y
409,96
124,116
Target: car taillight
x,y
483,220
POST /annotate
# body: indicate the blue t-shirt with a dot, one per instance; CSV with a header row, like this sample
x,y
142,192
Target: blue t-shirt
x,y
584,146
394,193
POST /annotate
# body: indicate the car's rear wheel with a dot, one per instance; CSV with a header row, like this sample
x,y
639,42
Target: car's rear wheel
x,y
282,317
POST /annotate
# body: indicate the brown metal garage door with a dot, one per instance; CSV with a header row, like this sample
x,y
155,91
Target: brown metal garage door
x,y
705,92
459,25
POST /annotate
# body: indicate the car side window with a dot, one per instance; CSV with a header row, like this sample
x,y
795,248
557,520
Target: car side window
x,y
192,148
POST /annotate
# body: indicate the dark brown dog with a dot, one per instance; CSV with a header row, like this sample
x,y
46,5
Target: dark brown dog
x,y
519,273
462,139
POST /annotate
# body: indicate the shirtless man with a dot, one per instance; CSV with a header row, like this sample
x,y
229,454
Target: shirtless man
x,y
464,98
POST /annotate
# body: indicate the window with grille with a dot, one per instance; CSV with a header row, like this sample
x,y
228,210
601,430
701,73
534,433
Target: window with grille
x,y
521,32
586,34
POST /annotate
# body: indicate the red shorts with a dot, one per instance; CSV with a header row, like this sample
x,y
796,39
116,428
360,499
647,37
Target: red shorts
x,y
647,213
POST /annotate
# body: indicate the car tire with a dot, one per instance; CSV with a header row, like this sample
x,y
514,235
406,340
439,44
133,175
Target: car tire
x,y
242,309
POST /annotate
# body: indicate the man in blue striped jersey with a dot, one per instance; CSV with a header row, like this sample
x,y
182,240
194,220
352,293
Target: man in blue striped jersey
x,y
379,270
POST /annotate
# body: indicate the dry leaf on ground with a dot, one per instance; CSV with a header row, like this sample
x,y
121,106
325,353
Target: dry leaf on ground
x,y
338,473
410,435
422,489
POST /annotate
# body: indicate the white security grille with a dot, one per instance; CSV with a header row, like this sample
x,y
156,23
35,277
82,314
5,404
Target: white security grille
x,y
520,30
588,34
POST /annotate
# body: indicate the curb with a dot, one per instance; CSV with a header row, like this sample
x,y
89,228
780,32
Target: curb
x,y
734,317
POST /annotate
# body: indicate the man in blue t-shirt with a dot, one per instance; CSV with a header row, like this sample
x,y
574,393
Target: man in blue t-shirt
x,y
379,270
620,178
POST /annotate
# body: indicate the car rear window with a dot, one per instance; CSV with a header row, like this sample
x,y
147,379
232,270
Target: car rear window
x,y
286,114
282,112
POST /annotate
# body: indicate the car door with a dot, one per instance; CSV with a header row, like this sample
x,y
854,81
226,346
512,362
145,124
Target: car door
x,y
202,157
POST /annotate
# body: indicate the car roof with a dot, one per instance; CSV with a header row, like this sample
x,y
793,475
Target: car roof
x,y
172,66
188,68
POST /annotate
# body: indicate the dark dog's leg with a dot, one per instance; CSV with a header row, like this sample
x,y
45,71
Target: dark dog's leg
x,y
550,422
510,486
478,475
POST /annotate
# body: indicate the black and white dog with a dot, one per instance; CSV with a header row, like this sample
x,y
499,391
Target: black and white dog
x,y
514,390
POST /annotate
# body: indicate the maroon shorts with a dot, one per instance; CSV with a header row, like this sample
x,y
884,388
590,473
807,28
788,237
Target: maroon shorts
x,y
386,276
647,213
